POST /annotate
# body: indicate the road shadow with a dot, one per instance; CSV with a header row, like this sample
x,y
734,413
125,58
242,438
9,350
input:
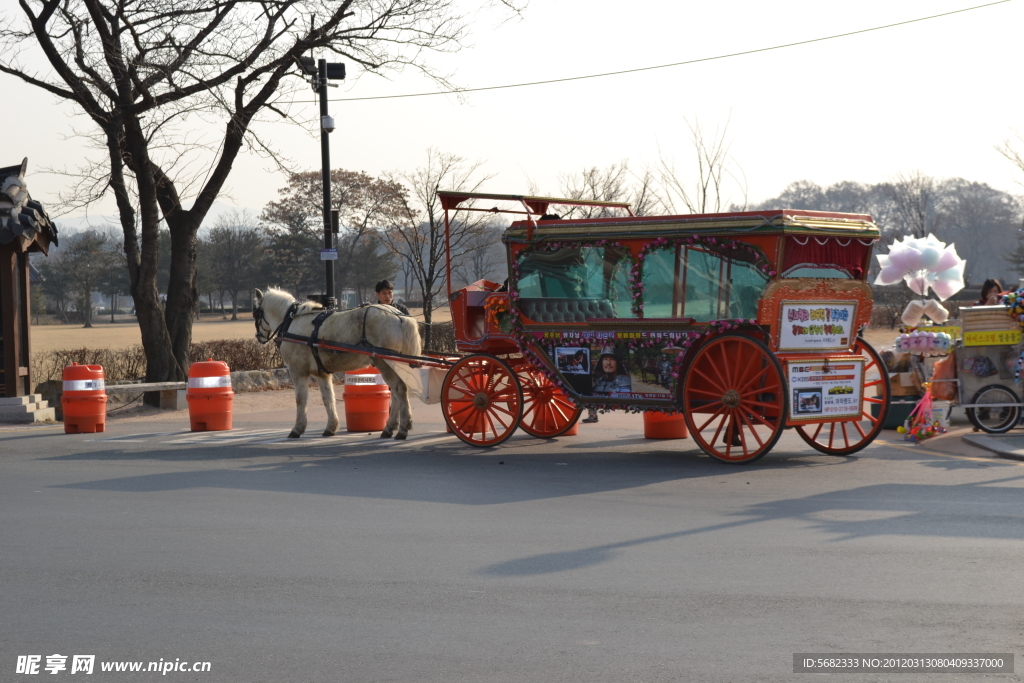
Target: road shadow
x,y
442,473
978,510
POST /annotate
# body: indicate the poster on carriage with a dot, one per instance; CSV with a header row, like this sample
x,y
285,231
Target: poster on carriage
x,y
817,325
618,365
822,390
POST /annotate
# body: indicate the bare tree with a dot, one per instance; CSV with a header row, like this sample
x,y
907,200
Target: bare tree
x,y
238,250
1013,153
484,256
416,232
707,193
612,184
914,199
146,74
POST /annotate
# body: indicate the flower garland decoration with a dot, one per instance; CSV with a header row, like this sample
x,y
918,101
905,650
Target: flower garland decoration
x,y
497,309
682,340
636,283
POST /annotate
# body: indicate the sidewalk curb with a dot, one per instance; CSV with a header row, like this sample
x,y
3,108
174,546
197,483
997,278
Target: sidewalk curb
x,y
992,443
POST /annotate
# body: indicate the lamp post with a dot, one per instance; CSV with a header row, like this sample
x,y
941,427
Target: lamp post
x,y
320,74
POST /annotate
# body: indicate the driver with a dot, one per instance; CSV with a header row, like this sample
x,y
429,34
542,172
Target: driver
x,y
386,295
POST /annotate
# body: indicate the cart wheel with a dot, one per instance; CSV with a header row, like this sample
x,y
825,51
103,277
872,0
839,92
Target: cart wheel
x,y
734,399
844,438
547,410
996,420
481,400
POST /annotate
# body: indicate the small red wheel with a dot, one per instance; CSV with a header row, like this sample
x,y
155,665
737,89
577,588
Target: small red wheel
x,y
844,438
547,410
734,398
481,400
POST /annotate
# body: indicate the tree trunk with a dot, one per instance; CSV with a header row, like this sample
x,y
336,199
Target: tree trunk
x,y
234,305
87,312
182,296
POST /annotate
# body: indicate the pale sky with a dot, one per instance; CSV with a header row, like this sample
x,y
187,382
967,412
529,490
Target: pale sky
x,y
935,96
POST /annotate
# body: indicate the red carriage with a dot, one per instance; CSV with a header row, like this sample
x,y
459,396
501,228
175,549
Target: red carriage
x,y
746,323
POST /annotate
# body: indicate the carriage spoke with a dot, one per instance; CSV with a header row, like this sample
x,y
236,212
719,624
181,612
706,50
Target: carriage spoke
x,y
717,384
710,419
753,430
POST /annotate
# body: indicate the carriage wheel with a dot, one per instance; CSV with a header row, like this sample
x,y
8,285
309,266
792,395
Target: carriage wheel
x,y
481,400
734,399
997,420
547,410
844,438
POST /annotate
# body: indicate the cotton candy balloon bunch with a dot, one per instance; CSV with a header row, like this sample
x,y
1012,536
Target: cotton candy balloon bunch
x,y
923,262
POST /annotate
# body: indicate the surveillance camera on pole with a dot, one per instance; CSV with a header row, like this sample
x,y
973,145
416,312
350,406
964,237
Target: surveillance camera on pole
x,y
320,72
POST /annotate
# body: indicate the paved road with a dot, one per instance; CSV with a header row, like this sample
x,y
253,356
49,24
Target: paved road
x,y
601,557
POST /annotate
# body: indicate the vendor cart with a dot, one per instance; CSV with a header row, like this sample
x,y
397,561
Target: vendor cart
x,y
986,365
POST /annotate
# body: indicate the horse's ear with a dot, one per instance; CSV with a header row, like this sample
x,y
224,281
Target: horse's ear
x,y
257,296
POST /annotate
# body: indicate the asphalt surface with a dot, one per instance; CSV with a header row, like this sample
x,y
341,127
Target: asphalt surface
x,y
599,557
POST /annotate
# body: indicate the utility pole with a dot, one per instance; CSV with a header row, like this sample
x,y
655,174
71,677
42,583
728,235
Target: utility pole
x,y
321,73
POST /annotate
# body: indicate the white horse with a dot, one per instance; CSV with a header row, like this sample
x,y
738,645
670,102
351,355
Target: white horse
x,y
379,325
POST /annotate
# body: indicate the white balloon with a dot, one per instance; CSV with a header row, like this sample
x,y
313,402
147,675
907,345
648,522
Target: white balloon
x,y
883,260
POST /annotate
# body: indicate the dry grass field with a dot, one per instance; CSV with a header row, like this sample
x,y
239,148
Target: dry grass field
x,y
119,335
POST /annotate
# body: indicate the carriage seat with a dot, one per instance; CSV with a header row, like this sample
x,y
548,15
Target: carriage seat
x,y
566,310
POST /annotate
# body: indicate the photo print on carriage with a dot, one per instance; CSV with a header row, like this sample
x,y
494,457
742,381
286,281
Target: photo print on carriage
x,y
826,389
602,364
572,360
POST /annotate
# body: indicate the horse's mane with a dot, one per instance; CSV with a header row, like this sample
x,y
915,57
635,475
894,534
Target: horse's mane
x,y
278,301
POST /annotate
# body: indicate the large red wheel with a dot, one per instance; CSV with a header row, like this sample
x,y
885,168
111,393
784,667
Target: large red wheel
x,y
734,398
547,410
844,438
481,400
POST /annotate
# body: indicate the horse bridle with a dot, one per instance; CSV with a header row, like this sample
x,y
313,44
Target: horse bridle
x,y
257,313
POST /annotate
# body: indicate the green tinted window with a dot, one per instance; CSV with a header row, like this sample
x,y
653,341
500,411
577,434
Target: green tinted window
x,y
594,280
687,282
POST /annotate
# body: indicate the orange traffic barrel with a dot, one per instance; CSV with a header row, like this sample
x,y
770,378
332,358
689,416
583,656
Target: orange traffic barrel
x,y
209,396
367,400
658,425
84,400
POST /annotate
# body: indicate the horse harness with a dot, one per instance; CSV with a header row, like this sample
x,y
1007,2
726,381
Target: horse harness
x,y
312,341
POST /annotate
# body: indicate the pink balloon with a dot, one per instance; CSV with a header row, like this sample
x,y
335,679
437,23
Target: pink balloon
x,y
898,259
914,261
947,260
889,275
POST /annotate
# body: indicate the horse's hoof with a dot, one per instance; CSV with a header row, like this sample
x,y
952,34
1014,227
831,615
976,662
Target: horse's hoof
x,y
386,434
400,437
293,434
328,432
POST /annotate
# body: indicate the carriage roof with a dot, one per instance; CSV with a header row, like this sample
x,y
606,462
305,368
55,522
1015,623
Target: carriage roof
x,y
775,221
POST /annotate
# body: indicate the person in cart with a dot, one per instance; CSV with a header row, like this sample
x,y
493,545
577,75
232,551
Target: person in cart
x,y
386,295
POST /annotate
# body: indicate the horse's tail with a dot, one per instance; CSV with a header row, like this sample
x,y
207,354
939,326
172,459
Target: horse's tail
x,y
411,342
